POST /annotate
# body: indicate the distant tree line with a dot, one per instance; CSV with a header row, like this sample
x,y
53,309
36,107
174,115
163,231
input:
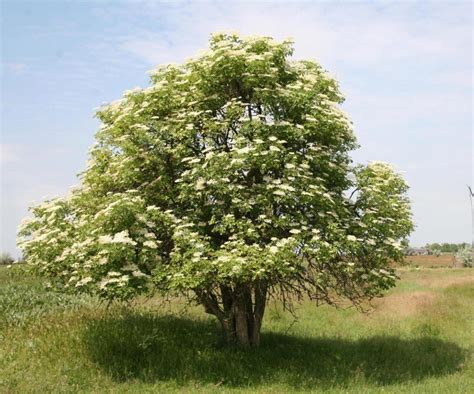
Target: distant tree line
x,y
446,247
434,248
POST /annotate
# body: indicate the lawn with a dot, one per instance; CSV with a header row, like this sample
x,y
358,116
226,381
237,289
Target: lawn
x,y
417,339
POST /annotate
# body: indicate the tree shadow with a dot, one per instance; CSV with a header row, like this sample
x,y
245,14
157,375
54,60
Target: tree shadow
x,y
151,348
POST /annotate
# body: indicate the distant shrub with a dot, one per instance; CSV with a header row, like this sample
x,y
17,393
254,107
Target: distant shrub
x,y
465,256
6,258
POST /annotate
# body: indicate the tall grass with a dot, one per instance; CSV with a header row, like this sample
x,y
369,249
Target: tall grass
x,y
25,299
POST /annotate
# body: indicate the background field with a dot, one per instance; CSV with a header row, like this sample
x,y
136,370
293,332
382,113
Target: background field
x,y
417,339
443,260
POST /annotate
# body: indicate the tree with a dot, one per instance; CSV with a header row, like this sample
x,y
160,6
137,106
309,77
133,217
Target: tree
x,y
464,255
227,180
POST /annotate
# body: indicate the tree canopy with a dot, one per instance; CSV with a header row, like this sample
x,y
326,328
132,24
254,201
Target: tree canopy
x,y
227,180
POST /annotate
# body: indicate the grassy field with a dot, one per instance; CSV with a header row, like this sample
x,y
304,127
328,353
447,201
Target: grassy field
x,y
416,340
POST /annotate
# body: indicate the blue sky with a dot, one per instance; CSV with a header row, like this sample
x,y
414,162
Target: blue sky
x,y
405,67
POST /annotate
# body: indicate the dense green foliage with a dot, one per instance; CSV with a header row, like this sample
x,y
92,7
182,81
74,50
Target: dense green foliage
x,y
229,177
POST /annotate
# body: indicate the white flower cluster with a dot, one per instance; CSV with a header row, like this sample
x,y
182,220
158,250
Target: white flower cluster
x,y
114,277
122,237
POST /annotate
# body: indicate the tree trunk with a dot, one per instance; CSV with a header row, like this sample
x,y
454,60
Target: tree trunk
x,y
239,310
241,320
259,310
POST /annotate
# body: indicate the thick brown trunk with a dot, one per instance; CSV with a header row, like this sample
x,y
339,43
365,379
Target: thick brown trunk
x,y
239,315
241,322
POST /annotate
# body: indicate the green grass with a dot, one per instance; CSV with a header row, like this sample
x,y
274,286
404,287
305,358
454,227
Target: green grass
x,y
25,298
56,343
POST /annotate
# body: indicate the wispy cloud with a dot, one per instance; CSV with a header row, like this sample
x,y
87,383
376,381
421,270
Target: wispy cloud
x,y
365,36
153,49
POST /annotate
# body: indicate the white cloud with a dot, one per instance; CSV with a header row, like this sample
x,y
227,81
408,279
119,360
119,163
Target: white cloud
x,y
359,35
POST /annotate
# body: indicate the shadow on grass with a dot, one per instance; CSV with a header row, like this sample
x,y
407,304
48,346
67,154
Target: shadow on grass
x,y
151,348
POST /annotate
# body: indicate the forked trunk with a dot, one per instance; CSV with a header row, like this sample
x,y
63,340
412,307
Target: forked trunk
x,y
240,311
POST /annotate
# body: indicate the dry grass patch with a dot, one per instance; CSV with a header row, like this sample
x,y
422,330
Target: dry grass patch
x,y
444,282
400,305
444,260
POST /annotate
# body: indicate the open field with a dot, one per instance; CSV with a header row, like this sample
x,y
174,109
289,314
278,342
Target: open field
x,y
417,339
443,260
